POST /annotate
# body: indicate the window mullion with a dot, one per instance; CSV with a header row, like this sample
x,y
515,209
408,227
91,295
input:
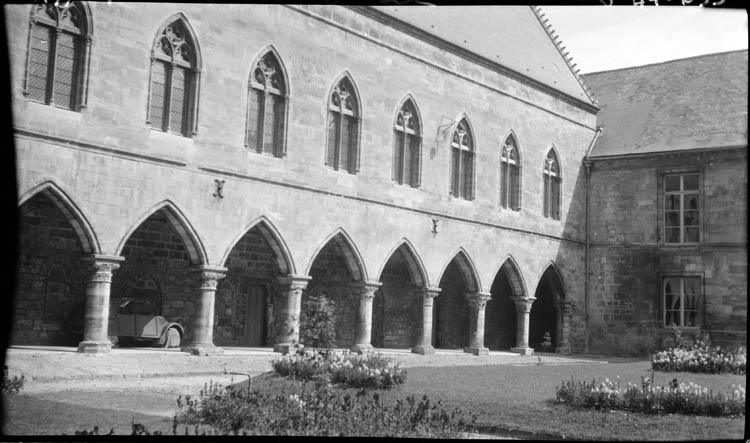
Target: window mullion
x,y
460,188
339,136
262,120
404,146
167,122
51,67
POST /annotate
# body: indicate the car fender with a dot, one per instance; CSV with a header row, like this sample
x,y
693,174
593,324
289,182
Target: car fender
x,y
168,325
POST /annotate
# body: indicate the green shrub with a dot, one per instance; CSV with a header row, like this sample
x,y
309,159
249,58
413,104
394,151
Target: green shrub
x,y
12,385
675,398
352,370
318,409
318,322
700,356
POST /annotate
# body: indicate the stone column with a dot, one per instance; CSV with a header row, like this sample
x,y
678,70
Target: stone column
x,y
477,303
286,323
428,295
96,323
523,311
366,292
563,346
200,332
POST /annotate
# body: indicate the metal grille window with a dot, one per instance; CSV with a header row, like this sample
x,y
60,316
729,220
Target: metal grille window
x,y
462,161
552,180
509,175
266,107
407,144
343,128
174,81
681,208
681,297
59,46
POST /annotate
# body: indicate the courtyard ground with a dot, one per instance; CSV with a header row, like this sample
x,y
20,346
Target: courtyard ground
x,y
511,395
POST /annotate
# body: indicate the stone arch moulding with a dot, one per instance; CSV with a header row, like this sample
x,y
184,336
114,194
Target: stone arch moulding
x,y
515,276
413,261
552,148
189,27
180,223
351,254
80,223
464,116
408,97
557,281
275,241
344,74
468,270
88,22
263,51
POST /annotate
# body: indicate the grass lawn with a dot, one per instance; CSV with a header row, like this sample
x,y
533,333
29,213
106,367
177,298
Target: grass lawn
x,y
520,398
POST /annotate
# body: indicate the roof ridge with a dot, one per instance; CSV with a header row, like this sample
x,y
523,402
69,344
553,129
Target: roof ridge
x,y
547,26
664,62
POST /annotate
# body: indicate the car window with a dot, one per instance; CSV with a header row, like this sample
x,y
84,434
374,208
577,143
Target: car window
x,y
126,308
144,309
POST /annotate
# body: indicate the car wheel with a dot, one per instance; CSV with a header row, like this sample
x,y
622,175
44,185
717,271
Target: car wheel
x,y
173,338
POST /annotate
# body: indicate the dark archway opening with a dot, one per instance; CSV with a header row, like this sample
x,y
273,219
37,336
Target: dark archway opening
x,y
500,315
450,321
545,315
396,311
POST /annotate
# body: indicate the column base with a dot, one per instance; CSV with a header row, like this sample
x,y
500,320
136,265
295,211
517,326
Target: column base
x,y
423,349
94,347
477,351
523,350
564,350
362,348
286,348
203,350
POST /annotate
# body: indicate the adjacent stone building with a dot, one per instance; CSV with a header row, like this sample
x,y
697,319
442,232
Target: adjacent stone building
x,y
668,202
227,163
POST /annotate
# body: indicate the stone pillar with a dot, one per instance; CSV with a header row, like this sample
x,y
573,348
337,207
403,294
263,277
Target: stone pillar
x,y
428,295
366,292
563,345
477,303
96,323
286,323
200,333
523,311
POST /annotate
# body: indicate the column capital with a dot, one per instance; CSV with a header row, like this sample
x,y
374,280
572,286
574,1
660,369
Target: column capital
x,y
426,292
523,302
478,299
293,282
103,266
366,289
210,275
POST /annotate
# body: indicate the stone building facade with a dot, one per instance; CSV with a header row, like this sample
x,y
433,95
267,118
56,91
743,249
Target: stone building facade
x,y
228,162
668,203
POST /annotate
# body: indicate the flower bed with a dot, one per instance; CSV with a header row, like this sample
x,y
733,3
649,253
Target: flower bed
x,y
712,360
353,370
675,398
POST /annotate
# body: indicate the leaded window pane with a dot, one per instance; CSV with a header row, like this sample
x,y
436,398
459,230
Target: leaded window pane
x,y
514,188
691,235
691,201
158,94
672,183
269,125
414,162
555,199
546,195
673,202
333,137
672,219
178,101
345,153
691,218
398,154
504,184
65,70
690,182
255,106
455,169
407,160
468,171
672,235
41,39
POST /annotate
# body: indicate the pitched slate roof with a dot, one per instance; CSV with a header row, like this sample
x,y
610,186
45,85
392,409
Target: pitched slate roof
x,y
514,37
692,103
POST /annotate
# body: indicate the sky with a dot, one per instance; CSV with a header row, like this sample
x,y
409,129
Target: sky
x,y
600,38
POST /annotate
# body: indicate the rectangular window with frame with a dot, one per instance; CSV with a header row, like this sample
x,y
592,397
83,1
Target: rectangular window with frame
x,y
681,208
680,301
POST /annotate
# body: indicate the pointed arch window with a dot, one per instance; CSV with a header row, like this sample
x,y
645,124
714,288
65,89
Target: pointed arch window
x,y
462,161
510,175
57,60
342,148
174,81
552,180
407,144
267,104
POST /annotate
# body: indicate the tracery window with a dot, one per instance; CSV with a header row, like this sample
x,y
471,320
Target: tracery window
x,y
681,208
342,148
266,113
552,179
681,297
59,48
462,161
174,80
509,175
407,144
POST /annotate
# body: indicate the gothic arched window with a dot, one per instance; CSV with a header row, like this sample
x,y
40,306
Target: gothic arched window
x,y
552,179
175,73
59,47
462,161
266,113
342,147
407,143
510,175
